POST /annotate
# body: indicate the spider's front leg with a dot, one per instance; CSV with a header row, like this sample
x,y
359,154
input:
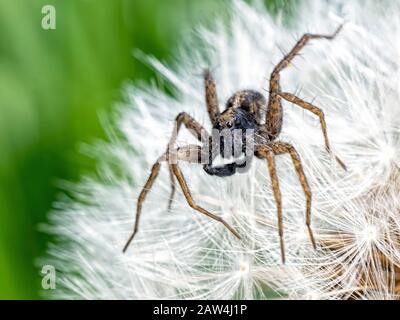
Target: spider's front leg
x,y
186,192
190,153
268,152
196,129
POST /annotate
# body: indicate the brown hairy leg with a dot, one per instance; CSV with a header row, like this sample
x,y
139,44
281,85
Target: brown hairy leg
x,y
187,153
149,183
274,111
282,148
173,188
196,129
211,96
317,111
211,99
268,152
190,153
192,204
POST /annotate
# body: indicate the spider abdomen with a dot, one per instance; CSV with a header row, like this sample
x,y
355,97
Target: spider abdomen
x,y
249,100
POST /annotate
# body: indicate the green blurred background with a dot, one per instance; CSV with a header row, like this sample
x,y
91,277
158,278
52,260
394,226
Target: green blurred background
x,y
53,84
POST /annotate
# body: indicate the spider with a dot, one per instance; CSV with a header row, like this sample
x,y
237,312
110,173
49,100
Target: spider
x,y
244,110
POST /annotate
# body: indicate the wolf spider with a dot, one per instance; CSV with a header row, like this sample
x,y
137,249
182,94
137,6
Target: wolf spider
x,y
244,110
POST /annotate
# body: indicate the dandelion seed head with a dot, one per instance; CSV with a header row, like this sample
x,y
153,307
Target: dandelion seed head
x,y
387,155
369,234
182,254
244,268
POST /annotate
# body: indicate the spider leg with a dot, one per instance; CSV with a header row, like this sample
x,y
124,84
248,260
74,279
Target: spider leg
x,y
149,183
192,204
190,153
173,188
274,111
317,111
267,153
300,45
278,148
196,129
211,96
281,148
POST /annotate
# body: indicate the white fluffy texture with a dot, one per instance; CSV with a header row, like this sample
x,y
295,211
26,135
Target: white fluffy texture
x,y
182,254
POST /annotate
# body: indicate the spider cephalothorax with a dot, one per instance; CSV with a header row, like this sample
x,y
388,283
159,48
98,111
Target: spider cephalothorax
x,y
233,133
249,126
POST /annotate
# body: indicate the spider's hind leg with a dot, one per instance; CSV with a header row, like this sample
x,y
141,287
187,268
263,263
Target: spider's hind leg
x,y
211,96
274,114
300,45
317,111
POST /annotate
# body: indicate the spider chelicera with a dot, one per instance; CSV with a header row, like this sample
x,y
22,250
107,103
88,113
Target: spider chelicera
x,y
244,110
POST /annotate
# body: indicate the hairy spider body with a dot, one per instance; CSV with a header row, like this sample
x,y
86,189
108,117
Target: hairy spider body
x,y
230,131
246,110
